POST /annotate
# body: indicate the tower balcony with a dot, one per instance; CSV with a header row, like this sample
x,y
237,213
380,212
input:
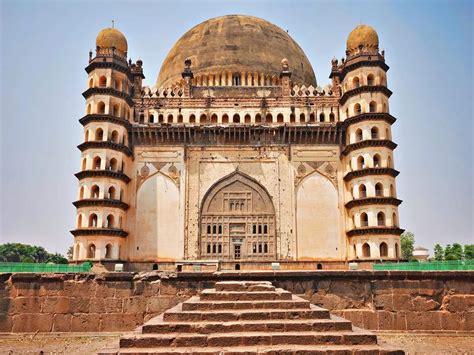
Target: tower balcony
x,y
377,230
369,116
105,145
98,231
364,89
102,173
379,200
98,117
108,91
369,143
370,171
100,202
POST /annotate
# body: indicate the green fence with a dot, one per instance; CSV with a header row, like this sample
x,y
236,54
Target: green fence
x,y
427,265
33,267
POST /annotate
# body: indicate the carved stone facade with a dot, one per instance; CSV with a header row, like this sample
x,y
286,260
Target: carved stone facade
x,y
236,164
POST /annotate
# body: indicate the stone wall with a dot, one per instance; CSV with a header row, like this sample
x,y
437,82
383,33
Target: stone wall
x,y
376,300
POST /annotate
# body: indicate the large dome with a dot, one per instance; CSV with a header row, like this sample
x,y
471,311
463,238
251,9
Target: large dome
x,y
236,43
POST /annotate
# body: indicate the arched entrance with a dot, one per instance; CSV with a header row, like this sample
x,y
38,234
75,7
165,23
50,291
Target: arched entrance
x,y
237,221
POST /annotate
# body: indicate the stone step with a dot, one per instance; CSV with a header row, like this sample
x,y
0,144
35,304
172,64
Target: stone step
x,y
213,295
176,314
248,339
247,286
156,325
267,350
195,304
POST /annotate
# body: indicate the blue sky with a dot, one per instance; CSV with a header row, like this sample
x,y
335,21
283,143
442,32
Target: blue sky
x,y
44,49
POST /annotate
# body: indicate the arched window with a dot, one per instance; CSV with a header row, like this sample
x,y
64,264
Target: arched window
x,y
91,82
161,118
358,135
381,219
265,248
321,117
219,248
93,220
302,118
79,221
312,117
394,220
141,118
225,118
95,191
102,81
378,189
170,118
214,250
366,250
259,229
397,253
219,229
208,248
357,109
180,118
377,161
355,82
110,221
116,110
96,163
364,220
362,191
99,134
192,119
370,79
114,137
113,164
101,108
360,163
236,79
269,118
374,133
203,118
383,249
151,119
280,118
254,229
91,251
89,109
84,164
332,117
248,119
81,193
373,107
258,118
292,118
236,118
111,193
214,229
108,251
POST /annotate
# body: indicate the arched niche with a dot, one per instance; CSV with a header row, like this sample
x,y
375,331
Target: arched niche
x,y
158,235
237,220
317,219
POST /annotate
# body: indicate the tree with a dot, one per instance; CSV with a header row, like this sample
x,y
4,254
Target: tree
x,y
70,252
469,251
17,252
407,243
453,252
438,252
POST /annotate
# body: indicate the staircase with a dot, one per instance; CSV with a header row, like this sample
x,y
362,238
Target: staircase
x,y
250,317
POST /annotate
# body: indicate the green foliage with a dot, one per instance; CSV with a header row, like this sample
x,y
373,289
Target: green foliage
x,y
453,252
438,252
70,252
407,243
17,252
469,251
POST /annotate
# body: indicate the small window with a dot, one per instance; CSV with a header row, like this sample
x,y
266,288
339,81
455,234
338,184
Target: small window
x,y
381,219
383,249
366,250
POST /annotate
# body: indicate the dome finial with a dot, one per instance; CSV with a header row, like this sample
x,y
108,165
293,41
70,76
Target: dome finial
x,y
113,24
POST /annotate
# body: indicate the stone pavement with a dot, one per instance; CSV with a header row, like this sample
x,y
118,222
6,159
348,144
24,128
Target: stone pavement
x,y
248,317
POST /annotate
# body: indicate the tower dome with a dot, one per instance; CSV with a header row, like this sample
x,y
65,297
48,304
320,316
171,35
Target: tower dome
x,y
362,35
111,37
236,44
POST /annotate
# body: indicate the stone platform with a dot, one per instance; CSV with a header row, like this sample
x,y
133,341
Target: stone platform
x,y
248,317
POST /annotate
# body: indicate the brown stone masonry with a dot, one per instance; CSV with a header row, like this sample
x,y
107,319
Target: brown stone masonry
x,y
379,300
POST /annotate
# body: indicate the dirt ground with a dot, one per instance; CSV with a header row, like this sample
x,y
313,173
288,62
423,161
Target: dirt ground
x,y
83,343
